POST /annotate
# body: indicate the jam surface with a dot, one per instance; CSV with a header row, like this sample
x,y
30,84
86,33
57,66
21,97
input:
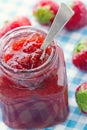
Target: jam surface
x,y
25,52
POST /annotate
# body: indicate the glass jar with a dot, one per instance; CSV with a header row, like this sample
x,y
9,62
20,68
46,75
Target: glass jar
x,y
35,98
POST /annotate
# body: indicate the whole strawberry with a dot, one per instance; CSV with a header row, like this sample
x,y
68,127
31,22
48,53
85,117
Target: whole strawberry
x,y
79,19
17,22
81,97
79,57
45,11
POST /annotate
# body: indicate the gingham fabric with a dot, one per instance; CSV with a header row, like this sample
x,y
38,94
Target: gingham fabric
x,y
68,40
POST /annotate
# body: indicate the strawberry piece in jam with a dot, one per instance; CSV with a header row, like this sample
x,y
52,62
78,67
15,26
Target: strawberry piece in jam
x,y
25,53
8,57
17,45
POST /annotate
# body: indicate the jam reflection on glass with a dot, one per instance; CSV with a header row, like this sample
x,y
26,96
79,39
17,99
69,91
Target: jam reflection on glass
x,y
33,82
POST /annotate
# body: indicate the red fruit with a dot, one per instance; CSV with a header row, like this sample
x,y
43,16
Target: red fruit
x,y
19,21
79,19
81,97
17,45
79,57
7,57
45,11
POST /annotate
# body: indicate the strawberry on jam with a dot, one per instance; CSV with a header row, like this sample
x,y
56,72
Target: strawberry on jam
x,y
25,52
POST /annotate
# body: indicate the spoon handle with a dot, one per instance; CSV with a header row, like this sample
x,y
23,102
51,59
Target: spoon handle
x,y
62,17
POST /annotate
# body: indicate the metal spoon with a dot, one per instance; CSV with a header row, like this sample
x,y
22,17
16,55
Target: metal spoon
x,y
62,17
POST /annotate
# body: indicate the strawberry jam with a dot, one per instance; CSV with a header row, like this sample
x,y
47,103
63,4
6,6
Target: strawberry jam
x,y
30,51
33,82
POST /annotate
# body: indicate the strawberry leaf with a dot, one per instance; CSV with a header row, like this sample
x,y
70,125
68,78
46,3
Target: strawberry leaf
x,y
44,15
81,98
80,47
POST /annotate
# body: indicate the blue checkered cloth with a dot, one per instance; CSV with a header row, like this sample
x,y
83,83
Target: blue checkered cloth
x,y
68,40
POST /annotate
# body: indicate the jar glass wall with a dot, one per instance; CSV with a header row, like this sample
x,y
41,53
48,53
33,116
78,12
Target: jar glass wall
x,y
34,98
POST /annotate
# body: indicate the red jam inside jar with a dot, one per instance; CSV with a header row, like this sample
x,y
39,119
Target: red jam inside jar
x,y
33,89
25,53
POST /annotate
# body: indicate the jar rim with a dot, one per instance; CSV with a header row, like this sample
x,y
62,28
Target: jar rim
x,y
6,66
